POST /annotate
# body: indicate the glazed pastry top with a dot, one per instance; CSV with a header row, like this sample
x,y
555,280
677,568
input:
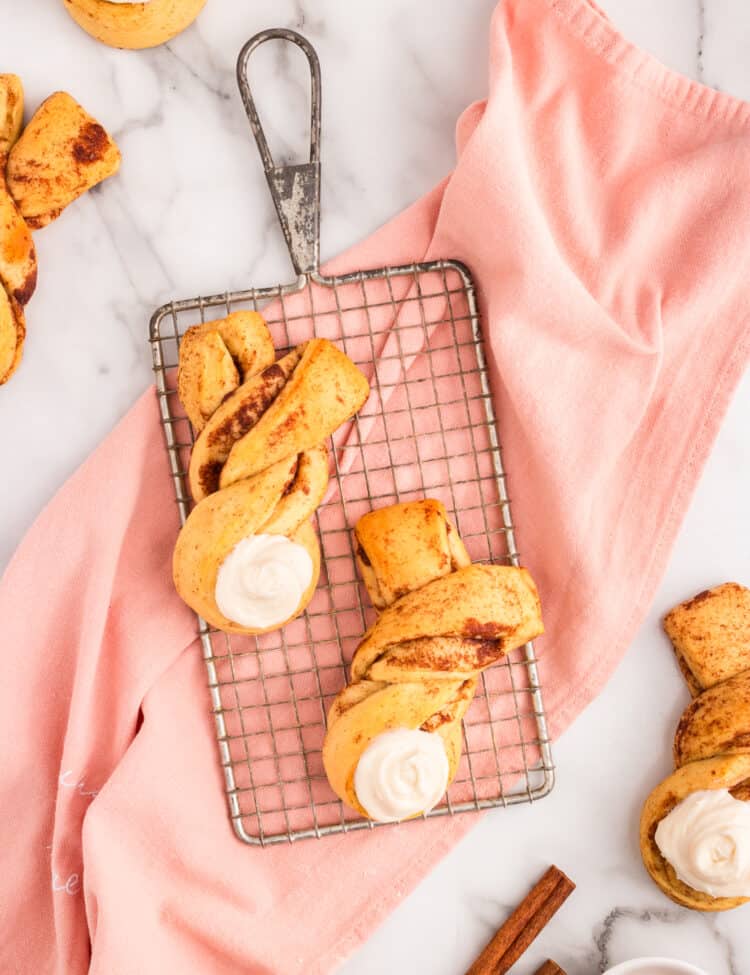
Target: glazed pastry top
x,y
262,580
394,737
695,825
401,773
706,839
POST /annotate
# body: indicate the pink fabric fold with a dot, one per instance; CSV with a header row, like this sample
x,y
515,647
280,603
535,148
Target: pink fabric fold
x,y
603,205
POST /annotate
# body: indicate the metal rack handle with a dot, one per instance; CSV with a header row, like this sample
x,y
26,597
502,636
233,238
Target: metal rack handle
x,y
295,189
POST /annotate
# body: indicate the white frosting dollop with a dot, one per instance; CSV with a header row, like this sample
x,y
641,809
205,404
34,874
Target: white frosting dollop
x,y
261,582
706,838
401,773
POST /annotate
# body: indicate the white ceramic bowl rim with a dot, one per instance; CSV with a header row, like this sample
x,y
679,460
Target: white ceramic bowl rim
x,y
655,966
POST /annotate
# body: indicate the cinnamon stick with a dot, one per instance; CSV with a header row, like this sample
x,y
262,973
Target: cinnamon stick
x,y
525,923
549,968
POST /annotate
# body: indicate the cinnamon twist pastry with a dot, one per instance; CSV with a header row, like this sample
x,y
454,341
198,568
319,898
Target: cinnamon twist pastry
x,y
247,559
394,733
216,357
134,25
62,152
18,269
695,826
11,113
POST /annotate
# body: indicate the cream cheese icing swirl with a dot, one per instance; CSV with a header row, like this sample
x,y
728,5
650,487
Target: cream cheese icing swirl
x,y
260,584
706,838
401,773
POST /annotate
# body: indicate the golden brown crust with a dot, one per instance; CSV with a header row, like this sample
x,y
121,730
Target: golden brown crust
x,y
12,335
324,390
454,711
404,546
61,153
238,414
417,667
711,634
11,114
711,638
384,708
18,268
496,603
287,408
715,723
693,686
219,522
304,493
282,410
723,772
206,375
246,336
215,357
452,656
134,25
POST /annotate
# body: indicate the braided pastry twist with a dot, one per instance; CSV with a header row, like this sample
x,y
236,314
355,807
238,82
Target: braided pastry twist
x,y
394,733
247,559
695,826
61,153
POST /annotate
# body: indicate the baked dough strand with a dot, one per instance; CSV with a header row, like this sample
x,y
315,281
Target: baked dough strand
x,y
417,666
259,465
711,637
60,154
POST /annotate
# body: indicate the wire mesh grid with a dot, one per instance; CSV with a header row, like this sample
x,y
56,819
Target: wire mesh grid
x,y
428,429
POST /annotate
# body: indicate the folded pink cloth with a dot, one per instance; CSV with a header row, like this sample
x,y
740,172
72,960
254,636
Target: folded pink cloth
x,y
603,204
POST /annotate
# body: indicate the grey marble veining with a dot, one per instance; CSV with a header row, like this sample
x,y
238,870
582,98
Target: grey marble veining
x,y
623,925
190,213
700,68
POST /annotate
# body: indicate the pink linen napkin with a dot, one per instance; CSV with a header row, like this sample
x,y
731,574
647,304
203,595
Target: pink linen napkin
x,y
603,204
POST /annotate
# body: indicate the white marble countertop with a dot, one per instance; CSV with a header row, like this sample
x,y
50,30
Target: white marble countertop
x,y
190,213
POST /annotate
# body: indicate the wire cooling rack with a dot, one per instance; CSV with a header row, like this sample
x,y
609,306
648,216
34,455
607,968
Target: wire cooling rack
x,y
428,430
